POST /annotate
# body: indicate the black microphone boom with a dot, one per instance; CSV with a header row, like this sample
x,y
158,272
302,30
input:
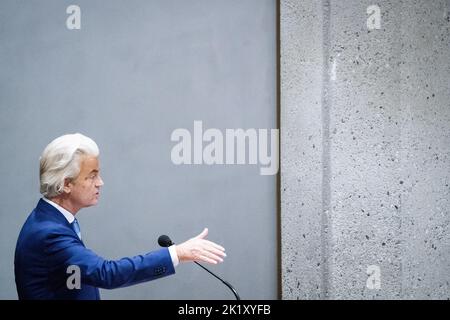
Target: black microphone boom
x,y
165,241
223,281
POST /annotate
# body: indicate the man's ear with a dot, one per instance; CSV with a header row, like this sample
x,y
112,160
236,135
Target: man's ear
x,y
67,185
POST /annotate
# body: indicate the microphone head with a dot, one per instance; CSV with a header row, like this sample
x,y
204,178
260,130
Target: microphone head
x,y
164,241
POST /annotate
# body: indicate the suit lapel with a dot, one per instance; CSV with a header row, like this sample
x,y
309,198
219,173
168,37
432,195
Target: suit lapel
x,y
53,214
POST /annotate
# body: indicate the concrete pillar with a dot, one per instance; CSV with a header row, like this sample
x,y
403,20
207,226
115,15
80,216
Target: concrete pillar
x,y
365,149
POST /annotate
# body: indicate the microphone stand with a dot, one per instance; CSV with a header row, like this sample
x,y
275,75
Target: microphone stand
x,y
223,281
165,241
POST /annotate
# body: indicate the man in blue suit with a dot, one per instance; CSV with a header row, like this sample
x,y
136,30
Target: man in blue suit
x,y
50,253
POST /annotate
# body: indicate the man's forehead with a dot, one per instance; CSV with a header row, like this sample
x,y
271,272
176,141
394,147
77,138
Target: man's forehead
x,y
90,164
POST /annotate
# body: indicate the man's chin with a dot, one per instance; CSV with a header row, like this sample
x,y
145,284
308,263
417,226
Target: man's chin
x,y
92,203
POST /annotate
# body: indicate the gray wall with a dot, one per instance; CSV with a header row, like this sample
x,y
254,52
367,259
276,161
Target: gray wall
x,y
136,71
365,149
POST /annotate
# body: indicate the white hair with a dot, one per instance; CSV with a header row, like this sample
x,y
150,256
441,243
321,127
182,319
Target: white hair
x,y
60,160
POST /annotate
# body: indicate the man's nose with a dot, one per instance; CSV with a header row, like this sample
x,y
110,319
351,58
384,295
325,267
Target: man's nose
x,y
100,182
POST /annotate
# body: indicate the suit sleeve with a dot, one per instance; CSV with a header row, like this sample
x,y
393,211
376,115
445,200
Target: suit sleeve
x,y
64,249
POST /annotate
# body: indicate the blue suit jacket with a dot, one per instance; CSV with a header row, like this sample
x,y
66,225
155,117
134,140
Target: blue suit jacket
x,y
47,246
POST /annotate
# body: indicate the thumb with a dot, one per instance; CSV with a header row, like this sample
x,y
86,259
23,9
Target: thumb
x,y
203,234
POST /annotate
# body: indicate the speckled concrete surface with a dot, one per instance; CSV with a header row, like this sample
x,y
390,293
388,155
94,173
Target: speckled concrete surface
x,y
365,149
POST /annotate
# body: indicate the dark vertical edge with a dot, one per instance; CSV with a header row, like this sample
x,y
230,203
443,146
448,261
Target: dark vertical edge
x,y
278,183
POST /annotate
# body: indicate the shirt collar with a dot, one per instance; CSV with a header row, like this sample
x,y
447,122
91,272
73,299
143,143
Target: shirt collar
x,y
69,216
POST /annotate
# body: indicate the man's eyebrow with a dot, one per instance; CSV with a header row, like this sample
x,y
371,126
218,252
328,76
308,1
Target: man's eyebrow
x,y
94,171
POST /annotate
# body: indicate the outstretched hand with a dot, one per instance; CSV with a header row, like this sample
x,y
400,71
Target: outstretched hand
x,y
201,250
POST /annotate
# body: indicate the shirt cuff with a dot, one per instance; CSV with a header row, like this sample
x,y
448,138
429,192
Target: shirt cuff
x,y
173,255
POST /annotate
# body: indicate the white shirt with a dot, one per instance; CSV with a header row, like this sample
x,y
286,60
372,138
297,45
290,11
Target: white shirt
x,y
70,218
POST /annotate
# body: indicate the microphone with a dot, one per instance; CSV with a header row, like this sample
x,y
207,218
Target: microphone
x,y
165,241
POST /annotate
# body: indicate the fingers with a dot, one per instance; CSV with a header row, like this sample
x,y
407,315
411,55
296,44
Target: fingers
x,y
212,255
206,259
215,245
200,249
203,234
215,251
209,257
209,253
